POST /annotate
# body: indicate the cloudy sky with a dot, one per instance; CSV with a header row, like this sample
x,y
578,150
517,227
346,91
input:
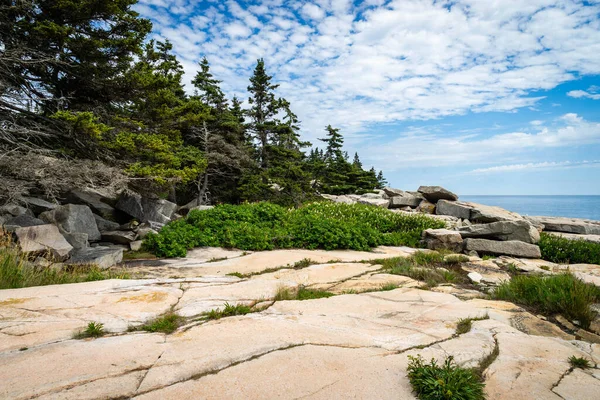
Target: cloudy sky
x,y
480,96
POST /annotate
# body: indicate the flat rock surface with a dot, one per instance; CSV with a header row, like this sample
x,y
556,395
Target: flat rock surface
x,y
353,345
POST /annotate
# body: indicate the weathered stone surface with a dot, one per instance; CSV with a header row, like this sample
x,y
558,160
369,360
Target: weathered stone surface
x,y
24,220
103,257
436,193
105,225
43,238
404,200
486,272
578,385
95,201
426,207
73,218
453,208
78,240
568,225
574,236
378,202
144,231
339,199
520,230
146,209
131,203
437,239
136,245
511,248
38,206
119,237
391,192
15,210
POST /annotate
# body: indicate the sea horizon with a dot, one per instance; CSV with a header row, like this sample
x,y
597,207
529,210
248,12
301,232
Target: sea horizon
x,y
569,206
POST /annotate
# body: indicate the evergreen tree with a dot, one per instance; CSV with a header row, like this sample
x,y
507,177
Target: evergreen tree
x,y
209,90
334,143
356,162
381,181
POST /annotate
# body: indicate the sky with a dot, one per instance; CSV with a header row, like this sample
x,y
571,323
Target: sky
x,y
483,97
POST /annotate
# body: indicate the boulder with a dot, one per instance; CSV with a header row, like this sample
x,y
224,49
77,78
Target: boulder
x,y
144,231
24,220
14,210
146,209
331,197
437,239
510,248
73,218
475,212
136,245
426,207
119,237
391,192
105,225
38,206
78,240
103,257
453,208
436,193
567,225
520,230
41,239
372,196
94,201
378,202
404,200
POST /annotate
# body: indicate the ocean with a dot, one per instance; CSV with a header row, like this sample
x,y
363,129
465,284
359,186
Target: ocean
x,y
587,207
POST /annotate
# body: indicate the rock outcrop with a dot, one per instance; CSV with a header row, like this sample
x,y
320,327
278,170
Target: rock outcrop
x,y
568,225
73,218
475,212
43,239
436,193
404,200
146,209
437,239
519,230
102,257
509,247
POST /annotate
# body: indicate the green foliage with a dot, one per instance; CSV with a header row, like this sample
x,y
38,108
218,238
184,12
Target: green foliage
x,y
579,362
464,324
312,294
557,294
266,226
429,267
444,382
93,330
167,323
228,310
17,272
561,250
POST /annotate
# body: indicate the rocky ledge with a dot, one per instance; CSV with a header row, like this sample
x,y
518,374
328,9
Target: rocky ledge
x,y
475,229
353,345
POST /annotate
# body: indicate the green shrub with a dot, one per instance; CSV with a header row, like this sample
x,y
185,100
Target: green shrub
x,y
228,310
93,330
167,323
557,294
312,294
444,382
266,226
579,362
428,267
561,250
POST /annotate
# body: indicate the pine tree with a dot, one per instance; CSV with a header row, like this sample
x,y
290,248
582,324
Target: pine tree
x,y
356,162
381,181
334,143
209,90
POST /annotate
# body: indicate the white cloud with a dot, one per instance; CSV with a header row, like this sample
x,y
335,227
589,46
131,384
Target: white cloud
x,y
535,166
582,93
380,62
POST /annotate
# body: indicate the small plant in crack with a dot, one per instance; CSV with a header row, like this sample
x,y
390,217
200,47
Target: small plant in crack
x,y
228,310
167,323
447,381
284,293
237,274
311,294
464,325
93,330
579,362
388,286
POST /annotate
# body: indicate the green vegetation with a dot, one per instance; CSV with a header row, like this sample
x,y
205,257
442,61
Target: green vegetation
x,y
93,330
300,293
579,362
557,294
17,272
464,325
429,267
228,310
388,286
266,226
138,255
167,323
561,250
444,382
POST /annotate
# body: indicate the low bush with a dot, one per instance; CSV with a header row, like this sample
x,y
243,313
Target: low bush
x,y
93,330
266,226
428,267
557,294
444,382
561,250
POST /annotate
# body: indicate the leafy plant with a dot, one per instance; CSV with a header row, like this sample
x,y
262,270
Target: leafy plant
x,y
557,294
579,362
228,311
444,382
561,250
93,330
266,226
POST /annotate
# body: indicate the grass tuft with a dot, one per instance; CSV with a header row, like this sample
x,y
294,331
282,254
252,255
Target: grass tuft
x,y
444,382
579,362
228,310
93,330
237,274
312,294
426,267
167,323
557,294
464,325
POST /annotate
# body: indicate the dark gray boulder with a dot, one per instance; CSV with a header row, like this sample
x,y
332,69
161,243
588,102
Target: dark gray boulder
x,y
119,237
105,225
146,209
510,248
94,201
102,257
24,220
73,218
38,206
436,193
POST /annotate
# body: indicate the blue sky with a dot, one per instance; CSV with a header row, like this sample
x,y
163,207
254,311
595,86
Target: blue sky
x,y
479,96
